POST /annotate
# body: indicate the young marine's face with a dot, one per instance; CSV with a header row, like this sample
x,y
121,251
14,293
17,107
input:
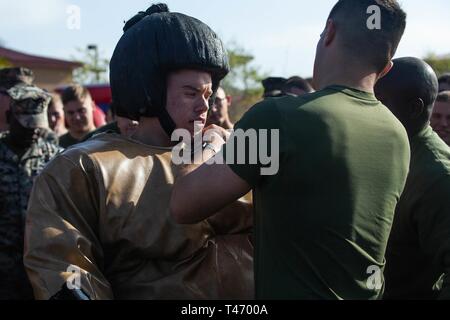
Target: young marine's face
x,y
440,120
188,93
79,115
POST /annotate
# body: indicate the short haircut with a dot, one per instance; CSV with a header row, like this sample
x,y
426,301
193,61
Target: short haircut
x,y
297,82
75,92
443,96
373,46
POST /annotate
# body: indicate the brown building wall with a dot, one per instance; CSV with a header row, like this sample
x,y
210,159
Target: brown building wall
x,y
52,78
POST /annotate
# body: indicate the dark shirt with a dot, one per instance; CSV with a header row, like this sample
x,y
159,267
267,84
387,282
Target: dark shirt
x,y
418,252
107,128
66,140
322,221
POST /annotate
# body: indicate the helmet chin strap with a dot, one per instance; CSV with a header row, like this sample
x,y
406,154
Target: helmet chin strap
x,y
166,122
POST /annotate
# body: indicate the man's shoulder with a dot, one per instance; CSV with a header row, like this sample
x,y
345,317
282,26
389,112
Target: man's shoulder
x,y
98,143
107,128
82,154
109,147
272,110
431,157
105,155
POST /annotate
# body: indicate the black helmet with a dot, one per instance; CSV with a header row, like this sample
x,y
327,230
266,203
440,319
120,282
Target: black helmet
x,y
154,43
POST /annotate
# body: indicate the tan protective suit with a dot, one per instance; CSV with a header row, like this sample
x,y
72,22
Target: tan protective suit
x,y
104,207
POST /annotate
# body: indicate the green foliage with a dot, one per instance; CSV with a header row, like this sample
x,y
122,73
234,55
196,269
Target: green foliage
x,y
94,69
440,64
243,82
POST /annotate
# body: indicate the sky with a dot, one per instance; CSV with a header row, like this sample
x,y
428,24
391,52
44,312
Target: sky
x,y
281,35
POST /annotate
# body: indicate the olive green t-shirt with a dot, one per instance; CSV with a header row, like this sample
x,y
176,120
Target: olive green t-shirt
x,y
418,251
322,221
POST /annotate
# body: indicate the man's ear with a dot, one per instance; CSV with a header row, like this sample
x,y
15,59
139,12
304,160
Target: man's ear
x,y
329,32
417,107
229,99
386,69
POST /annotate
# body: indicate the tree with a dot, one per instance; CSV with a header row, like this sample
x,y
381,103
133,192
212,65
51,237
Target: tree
x,y
94,69
243,82
440,64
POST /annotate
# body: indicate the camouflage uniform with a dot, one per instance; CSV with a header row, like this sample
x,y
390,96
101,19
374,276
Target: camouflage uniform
x,y
10,77
16,180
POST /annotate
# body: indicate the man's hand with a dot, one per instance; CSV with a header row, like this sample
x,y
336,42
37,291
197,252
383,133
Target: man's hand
x,y
202,190
215,137
212,131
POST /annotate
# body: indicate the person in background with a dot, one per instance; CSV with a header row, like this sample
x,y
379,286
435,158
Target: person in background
x,y
444,82
273,87
297,86
218,113
23,155
56,118
418,251
9,77
78,112
440,119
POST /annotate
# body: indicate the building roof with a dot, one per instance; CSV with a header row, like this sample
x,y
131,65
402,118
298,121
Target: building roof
x,y
27,60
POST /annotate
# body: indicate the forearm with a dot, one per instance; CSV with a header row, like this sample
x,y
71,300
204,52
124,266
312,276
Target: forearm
x,y
202,192
199,158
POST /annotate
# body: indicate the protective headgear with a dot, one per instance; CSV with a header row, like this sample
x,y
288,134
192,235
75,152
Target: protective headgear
x,y
155,43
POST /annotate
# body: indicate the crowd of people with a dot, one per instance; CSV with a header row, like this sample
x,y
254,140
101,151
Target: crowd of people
x,y
359,207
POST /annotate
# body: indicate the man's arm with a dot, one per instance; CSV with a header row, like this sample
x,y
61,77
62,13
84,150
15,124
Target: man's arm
x,y
202,190
432,218
61,242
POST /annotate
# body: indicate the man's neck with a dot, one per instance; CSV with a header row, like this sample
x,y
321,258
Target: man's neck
x,y
80,135
150,132
60,130
349,74
365,84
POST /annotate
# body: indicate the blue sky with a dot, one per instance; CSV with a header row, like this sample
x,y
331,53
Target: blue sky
x,y
281,34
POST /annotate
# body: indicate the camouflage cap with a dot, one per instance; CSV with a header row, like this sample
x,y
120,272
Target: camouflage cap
x,y
9,77
29,105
